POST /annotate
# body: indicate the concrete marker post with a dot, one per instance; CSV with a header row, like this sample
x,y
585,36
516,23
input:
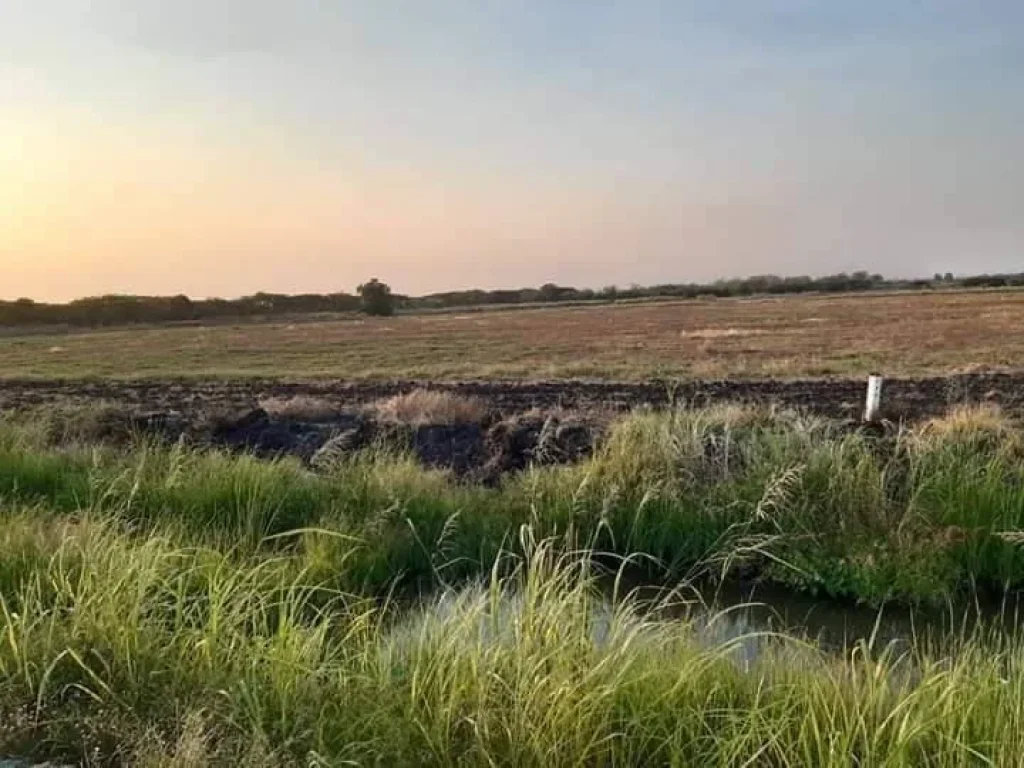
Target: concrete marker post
x,y
873,402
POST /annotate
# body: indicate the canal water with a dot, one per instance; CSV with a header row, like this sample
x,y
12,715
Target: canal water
x,y
752,617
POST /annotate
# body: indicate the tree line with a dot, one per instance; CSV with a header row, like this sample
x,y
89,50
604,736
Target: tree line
x,y
376,298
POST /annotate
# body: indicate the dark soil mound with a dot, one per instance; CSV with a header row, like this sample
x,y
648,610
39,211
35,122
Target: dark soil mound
x,y
520,431
469,450
910,399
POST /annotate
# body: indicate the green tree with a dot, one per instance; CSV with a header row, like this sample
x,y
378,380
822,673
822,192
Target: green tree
x,y
376,298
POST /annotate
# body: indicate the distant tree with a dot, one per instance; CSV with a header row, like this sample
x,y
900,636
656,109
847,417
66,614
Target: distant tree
x,y
19,312
550,292
376,298
180,307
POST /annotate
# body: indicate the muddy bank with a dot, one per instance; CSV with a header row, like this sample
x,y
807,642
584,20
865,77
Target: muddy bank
x,y
836,398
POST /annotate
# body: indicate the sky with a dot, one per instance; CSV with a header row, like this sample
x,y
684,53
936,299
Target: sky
x,y
224,147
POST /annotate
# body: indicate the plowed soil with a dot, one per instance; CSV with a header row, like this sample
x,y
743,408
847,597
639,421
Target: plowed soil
x,y
910,398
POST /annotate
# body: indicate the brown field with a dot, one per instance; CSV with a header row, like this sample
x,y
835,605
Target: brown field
x,y
777,337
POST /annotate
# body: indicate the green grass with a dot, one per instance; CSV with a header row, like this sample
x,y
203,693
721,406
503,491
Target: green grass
x,y
161,606
116,649
919,515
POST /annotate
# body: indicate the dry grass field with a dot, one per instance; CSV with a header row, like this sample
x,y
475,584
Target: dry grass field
x,y
778,337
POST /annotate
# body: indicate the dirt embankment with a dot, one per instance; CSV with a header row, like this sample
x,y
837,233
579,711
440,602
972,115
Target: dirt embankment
x,y
515,424
910,399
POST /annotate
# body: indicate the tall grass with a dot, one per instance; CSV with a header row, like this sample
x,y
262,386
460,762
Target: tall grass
x,y
116,648
919,514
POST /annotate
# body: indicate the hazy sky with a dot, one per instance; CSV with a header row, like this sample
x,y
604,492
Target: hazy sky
x,y
220,147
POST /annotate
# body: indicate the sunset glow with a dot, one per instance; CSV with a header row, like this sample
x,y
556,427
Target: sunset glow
x,y
230,147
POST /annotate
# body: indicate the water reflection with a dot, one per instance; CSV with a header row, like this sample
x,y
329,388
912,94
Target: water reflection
x,y
753,615
746,619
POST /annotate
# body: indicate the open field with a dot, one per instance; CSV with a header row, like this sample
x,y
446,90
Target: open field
x,y
184,588
169,607
905,334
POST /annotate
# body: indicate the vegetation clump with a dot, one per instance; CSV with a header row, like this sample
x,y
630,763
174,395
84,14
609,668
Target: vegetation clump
x,y
300,408
421,407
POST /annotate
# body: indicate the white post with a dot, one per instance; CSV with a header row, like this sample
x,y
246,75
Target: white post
x,y
874,399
